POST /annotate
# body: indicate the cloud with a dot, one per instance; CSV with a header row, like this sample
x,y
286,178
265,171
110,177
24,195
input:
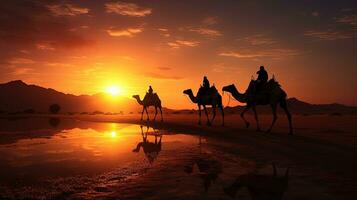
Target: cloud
x,y
16,61
67,10
207,32
277,53
239,55
164,32
24,24
22,71
260,39
315,14
45,46
128,9
210,21
161,76
348,19
129,32
329,34
183,43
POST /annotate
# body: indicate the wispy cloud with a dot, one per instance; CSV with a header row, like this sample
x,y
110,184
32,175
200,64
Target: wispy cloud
x,y
16,61
315,14
129,32
210,21
183,43
207,32
162,76
45,46
67,10
164,32
128,9
348,19
22,71
276,53
260,39
329,34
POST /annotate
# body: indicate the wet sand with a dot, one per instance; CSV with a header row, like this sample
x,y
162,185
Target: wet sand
x,y
321,156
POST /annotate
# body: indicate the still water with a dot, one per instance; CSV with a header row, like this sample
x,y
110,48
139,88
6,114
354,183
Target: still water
x,y
33,151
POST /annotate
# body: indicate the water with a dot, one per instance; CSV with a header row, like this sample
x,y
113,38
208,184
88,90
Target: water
x,y
52,158
39,151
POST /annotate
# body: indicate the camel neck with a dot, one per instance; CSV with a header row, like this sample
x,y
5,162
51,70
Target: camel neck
x,y
238,96
193,98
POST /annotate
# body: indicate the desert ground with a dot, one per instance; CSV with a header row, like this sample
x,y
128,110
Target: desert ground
x,y
321,157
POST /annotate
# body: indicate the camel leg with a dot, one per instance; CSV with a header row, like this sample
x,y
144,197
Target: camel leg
x,y
256,118
199,114
242,116
222,111
208,122
142,113
284,106
155,113
214,113
147,114
142,131
162,119
273,106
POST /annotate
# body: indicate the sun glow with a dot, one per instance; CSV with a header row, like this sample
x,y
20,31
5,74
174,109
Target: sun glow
x,y
114,90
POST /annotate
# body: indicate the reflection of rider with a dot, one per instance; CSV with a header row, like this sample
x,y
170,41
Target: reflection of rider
x,y
262,78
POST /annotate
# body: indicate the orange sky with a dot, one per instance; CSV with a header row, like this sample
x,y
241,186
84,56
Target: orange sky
x,y
84,47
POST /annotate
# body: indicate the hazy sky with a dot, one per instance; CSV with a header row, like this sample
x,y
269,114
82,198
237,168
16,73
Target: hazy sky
x,y
83,47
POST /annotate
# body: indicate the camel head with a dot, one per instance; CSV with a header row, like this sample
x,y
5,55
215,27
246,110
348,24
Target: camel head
x,y
188,91
228,88
136,96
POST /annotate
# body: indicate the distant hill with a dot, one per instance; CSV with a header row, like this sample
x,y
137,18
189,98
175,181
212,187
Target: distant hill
x,y
17,96
297,106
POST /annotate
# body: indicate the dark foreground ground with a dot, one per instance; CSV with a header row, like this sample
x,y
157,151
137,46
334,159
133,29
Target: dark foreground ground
x,y
321,157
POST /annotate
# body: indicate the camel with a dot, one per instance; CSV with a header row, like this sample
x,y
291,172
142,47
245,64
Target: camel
x,y
272,94
149,100
213,98
151,149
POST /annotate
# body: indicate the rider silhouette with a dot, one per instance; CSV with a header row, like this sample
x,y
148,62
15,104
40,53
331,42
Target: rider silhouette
x,y
205,83
262,75
150,91
262,78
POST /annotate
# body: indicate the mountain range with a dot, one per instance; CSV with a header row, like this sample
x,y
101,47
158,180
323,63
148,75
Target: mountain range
x,y
17,96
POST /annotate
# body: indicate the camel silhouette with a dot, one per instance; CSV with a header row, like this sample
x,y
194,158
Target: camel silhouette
x,y
261,186
149,100
272,94
151,149
211,97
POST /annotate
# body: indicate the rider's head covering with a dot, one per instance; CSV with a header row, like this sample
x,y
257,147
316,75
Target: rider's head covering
x,y
261,67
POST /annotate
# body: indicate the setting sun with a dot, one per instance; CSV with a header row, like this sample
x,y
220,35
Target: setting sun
x,y
114,90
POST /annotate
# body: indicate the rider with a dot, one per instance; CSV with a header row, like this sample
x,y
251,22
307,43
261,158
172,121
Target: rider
x,y
150,91
205,83
262,78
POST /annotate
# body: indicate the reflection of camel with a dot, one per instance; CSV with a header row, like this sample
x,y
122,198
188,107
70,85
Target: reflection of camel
x,y
261,186
212,98
151,149
272,94
208,169
149,100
